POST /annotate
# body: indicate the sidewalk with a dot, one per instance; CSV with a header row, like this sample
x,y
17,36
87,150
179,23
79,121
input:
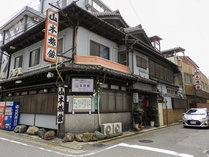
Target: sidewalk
x,y
72,147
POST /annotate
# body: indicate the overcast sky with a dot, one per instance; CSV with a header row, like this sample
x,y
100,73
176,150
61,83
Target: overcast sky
x,y
183,23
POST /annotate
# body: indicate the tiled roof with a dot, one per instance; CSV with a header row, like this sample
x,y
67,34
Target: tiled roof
x,y
133,29
109,15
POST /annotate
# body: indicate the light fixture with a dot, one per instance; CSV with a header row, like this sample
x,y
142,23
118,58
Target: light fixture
x,y
12,47
66,86
50,75
18,81
45,90
10,94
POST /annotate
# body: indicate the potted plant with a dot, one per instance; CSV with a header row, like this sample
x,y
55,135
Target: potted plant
x,y
137,115
153,114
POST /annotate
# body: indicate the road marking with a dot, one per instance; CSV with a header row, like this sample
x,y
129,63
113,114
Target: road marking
x,y
100,151
156,150
12,141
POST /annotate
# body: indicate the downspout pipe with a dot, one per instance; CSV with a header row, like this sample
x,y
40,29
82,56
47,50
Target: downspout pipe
x,y
75,36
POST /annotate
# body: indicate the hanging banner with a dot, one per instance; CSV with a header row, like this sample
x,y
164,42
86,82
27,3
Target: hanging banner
x,y
51,36
60,105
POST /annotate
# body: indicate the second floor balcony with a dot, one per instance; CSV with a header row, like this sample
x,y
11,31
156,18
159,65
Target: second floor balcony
x,y
95,60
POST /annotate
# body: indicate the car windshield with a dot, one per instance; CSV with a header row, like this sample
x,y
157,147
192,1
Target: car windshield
x,y
196,112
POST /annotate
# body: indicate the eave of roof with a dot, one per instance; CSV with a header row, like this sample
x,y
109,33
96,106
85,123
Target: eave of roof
x,y
73,12
155,38
111,16
173,50
26,10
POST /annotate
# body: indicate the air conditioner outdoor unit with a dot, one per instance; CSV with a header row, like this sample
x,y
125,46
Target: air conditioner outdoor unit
x,y
19,71
3,75
36,19
12,73
117,128
88,3
107,129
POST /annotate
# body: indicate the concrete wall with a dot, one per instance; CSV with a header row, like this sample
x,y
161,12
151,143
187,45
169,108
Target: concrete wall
x,y
83,43
174,115
78,123
67,44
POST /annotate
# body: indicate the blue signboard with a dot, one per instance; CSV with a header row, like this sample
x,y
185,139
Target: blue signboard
x,y
11,118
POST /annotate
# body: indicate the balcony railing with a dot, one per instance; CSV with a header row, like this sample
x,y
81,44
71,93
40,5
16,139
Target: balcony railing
x,y
94,60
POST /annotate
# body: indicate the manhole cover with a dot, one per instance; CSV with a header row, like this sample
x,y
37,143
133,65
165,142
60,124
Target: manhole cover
x,y
145,141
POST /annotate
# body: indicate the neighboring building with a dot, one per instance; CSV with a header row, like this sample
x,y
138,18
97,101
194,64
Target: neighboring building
x,y
101,63
195,89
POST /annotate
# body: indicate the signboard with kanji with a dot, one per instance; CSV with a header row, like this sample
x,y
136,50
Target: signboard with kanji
x,y
51,36
82,85
197,79
82,103
60,105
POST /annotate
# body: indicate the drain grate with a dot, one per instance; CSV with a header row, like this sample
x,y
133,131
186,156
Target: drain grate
x,y
145,141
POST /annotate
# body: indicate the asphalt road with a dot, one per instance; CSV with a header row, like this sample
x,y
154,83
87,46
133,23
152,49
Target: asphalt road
x,y
168,142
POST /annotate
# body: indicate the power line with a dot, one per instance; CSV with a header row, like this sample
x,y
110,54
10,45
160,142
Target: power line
x,y
134,11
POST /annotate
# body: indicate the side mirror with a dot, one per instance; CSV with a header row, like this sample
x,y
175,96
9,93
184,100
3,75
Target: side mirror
x,y
208,113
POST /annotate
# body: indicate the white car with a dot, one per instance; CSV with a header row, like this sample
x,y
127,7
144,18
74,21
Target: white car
x,y
196,117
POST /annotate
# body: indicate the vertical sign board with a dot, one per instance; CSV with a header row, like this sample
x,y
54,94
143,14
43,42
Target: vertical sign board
x,y
51,36
60,105
2,111
197,79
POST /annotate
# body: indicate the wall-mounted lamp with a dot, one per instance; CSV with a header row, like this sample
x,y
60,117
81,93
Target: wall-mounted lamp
x,y
50,75
18,81
12,47
66,86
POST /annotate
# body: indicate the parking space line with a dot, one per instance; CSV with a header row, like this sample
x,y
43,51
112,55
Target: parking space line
x,y
164,151
155,150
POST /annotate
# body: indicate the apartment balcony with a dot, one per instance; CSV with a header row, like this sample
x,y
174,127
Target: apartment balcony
x,y
94,60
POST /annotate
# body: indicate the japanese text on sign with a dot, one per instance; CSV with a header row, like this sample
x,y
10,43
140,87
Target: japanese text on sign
x,y
60,105
197,79
82,85
82,103
51,36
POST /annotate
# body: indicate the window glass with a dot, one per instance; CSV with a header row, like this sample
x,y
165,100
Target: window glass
x,y
114,101
34,57
104,52
141,62
18,62
99,50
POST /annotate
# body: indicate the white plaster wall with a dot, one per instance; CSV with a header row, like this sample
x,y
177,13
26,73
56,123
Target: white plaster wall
x,y
79,123
67,44
140,71
162,88
169,103
83,43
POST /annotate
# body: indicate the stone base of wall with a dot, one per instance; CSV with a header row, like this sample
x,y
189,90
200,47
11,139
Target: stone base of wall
x,y
79,123
172,115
